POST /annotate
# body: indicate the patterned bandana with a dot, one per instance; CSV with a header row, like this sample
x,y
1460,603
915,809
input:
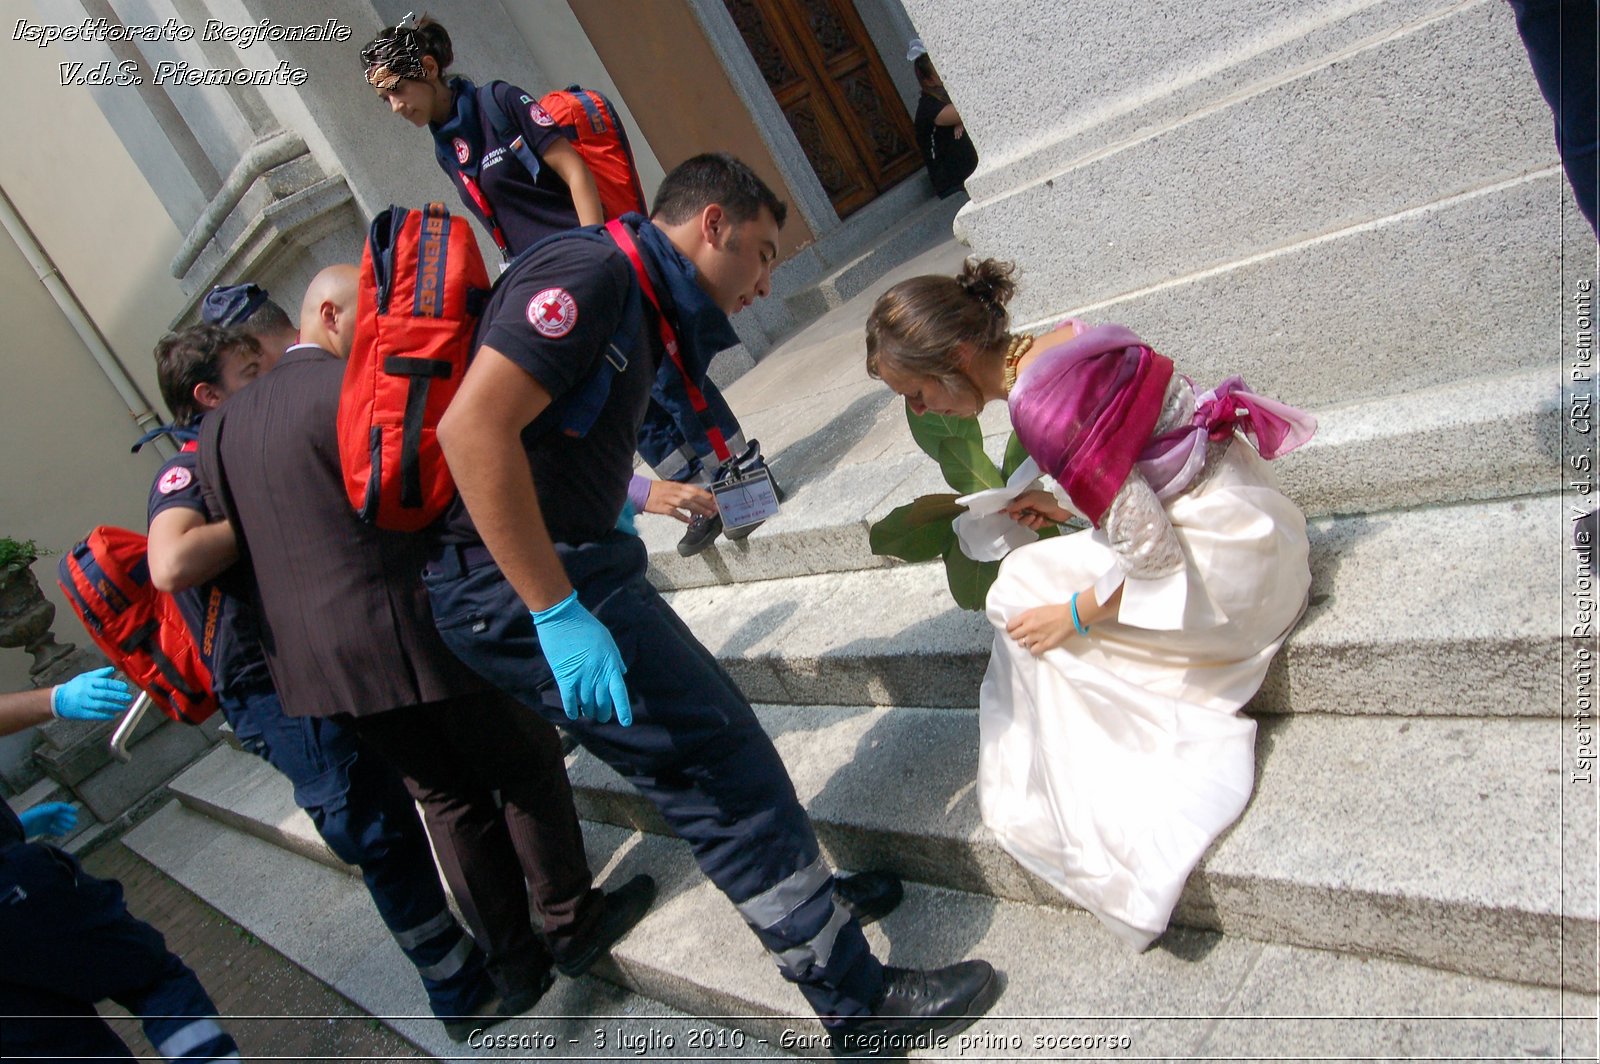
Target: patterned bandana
x,y
394,55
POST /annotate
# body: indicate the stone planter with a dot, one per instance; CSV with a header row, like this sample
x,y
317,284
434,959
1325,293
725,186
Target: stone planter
x,y
25,618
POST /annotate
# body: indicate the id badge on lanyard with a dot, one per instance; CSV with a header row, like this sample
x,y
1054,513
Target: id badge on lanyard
x,y
746,498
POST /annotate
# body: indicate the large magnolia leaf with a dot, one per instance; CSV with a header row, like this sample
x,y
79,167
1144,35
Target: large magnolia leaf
x,y
930,430
1014,457
966,467
920,531
969,580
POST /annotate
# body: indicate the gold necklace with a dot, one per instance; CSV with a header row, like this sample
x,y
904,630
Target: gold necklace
x,y
1019,347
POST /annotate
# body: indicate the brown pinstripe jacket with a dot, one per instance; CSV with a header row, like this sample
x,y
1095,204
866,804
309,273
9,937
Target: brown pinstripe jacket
x,y
345,620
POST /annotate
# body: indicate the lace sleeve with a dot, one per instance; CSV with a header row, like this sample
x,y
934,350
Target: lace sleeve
x,y
1137,526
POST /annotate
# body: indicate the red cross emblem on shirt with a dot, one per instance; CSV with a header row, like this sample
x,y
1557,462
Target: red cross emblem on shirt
x,y
553,312
175,479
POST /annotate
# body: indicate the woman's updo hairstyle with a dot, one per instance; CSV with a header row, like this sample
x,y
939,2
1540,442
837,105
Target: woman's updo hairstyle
x,y
396,53
931,326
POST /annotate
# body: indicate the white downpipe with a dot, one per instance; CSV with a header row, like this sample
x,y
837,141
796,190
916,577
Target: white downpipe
x,y
45,270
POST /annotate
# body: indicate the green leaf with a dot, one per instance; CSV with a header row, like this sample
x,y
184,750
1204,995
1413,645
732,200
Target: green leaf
x,y
925,508
920,531
1015,456
965,465
930,430
969,580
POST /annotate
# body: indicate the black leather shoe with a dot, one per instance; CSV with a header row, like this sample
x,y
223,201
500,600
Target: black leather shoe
x,y
497,1009
868,896
625,907
702,532
919,1007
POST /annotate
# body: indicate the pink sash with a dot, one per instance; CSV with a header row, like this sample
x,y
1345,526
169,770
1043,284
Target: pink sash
x,y
1085,410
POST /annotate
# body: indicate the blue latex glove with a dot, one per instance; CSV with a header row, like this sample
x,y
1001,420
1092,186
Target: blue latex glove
x,y
586,662
48,818
90,695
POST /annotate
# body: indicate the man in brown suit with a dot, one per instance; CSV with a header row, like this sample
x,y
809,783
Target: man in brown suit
x,y
347,631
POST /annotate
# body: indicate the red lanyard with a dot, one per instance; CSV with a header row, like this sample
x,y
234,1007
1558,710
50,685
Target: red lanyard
x,y
488,213
669,338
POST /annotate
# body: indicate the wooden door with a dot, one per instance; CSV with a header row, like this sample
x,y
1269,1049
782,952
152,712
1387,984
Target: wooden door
x,y
827,77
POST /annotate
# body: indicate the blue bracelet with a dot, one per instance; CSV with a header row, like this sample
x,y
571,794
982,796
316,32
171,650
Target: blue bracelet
x,y
1082,628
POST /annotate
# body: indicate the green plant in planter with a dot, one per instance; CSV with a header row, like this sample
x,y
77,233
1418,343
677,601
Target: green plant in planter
x,y
924,529
18,553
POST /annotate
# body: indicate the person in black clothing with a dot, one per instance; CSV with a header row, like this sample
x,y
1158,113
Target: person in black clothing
x,y
536,591
69,939
357,802
406,65
942,138
518,175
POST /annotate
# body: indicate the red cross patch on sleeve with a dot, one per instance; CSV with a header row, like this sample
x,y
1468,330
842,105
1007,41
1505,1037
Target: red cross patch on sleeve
x,y
553,313
175,479
540,116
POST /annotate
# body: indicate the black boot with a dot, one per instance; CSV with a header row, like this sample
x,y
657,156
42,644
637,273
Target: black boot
x,y
499,1007
868,896
625,907
703,531
917,1009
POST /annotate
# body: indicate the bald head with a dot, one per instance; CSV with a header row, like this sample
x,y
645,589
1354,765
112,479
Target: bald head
x,y
328,312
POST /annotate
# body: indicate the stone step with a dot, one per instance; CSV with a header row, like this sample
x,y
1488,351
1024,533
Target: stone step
x,y
109,788
1477,439
920,229
1198,994
904,221
249,795
1329,174
1451,610
1347,844
325,922
71,750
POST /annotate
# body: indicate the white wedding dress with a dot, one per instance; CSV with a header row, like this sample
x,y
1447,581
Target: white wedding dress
x,y
1109,765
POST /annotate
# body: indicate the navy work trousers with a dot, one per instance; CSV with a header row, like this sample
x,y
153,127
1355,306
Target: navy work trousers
x,y
68,942
1563,42
695,749
673,439
363,812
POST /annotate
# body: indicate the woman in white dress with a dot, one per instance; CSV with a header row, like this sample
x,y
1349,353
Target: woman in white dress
x,y
1112,748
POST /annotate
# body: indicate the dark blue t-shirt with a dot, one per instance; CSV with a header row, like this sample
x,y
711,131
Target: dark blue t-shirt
x,y
527,208
553,314
223,625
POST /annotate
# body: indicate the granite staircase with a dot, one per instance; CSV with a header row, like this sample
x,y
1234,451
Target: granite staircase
x,y
1415,875
1415,868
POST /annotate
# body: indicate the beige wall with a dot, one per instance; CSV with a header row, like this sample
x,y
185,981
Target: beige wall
x,y
66,432
558,46
683,100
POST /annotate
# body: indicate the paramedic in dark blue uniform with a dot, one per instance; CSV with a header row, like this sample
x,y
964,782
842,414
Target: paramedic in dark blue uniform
x,y
537,592
490,168
66,938
357,801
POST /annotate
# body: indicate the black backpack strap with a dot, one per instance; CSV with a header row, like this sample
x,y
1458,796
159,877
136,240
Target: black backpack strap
x,y
144,638
506,128
181,433
575,412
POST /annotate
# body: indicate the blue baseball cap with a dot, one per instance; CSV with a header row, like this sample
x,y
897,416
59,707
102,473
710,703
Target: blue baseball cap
x,y
231,304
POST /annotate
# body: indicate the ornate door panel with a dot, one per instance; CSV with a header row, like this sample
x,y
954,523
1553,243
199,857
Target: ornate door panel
x,y
827,77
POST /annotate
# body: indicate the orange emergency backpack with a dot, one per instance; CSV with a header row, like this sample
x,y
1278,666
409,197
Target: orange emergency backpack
x,y
423,285
591,123
106,579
